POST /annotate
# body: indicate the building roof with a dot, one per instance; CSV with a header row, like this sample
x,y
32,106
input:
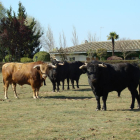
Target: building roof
x,y
130,45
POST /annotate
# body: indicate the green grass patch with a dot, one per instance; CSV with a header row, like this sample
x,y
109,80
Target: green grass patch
x,y
66,115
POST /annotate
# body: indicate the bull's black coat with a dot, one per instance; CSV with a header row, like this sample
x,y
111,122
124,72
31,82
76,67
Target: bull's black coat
x,y
66,71
113,77
60,73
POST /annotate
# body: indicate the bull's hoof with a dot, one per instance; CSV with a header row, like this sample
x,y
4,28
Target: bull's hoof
x,y
132,107
6,97
34,97
16,97
97,109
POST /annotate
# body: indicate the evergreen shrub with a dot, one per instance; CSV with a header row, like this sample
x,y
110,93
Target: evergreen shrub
x,y
41,56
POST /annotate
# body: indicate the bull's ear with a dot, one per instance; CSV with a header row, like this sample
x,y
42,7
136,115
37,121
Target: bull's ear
x,y
102,65
36,66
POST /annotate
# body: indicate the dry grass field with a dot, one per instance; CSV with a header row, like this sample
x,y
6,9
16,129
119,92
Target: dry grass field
x,y
66,115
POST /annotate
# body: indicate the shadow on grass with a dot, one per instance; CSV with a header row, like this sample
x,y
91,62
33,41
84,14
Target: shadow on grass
x,y
67,97
82,85
133,110
87,89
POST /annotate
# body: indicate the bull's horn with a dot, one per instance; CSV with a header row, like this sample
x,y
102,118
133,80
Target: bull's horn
x,y
36,66
53,66
60,63
102,65
83,66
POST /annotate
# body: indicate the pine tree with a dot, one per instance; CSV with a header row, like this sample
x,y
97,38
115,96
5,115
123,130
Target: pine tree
x,y
18,38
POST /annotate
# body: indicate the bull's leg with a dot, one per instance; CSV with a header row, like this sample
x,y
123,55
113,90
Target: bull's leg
x,y
14,89
72,82
138,99
77,81
98,103
104,98
54,86
62,84
68,84
58,86
6,85
133,94
34,93
37,92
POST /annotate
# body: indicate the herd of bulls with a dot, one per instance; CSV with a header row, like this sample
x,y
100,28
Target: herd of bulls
x,y
64,71
103,78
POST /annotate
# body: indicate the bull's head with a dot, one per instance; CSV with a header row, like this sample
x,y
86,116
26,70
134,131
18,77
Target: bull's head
x,y
44,69
93,70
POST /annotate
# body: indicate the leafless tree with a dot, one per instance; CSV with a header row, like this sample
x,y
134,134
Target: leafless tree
x,y
123,46
92,38
49,43
63,47
74,37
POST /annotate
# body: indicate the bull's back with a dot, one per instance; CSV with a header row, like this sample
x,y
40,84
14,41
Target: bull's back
x,y
121,76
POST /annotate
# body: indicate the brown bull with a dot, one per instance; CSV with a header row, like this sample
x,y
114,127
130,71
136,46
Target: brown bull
x,y
29,73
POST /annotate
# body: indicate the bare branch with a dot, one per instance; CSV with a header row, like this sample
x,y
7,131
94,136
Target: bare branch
x,y
62,50
49,40
92,38
75,37
64,41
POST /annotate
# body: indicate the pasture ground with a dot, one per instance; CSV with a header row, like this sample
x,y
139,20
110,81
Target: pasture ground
x,y
66,115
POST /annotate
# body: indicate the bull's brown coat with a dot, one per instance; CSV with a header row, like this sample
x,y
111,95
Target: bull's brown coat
x,y
29,73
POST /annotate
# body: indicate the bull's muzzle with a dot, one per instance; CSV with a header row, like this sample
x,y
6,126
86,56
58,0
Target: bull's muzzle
x,y
44,75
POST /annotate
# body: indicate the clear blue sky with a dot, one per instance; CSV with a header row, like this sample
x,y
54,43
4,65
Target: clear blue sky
x,y
121,16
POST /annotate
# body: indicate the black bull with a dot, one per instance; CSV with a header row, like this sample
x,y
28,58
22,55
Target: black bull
x,y
104,78
66,71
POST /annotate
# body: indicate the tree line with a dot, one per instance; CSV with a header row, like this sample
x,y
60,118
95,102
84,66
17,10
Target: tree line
x,y
18,38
